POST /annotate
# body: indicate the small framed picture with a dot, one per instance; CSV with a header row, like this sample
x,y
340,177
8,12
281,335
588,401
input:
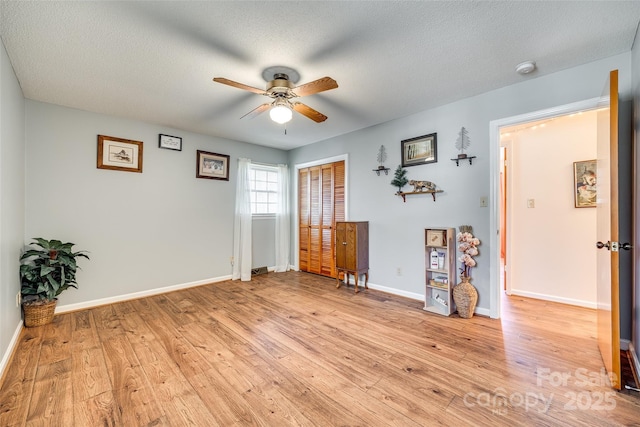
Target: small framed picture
x,y
436,237
212,165
170,142
584,183
119,154
420,150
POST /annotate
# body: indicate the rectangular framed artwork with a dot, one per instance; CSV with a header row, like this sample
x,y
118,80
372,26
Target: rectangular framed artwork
x,y
584,183
119,154
170,142
420,150
212,165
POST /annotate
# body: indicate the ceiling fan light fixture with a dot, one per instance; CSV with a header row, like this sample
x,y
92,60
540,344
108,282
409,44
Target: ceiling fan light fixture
x,y
281,113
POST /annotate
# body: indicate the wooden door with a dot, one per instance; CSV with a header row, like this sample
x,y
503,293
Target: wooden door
x,y
321,204
608,296
304,215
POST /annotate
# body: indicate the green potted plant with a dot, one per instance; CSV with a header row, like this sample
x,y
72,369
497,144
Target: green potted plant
x,y
45,272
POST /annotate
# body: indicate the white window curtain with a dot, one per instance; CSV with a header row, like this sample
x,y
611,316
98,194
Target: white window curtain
x,y
242,225
282,220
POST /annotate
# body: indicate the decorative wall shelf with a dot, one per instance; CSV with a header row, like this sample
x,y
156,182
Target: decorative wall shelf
x,y
464,158
403,194
377,171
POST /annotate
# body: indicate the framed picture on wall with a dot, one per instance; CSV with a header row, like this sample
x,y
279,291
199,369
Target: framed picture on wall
x,y
584,183
170,142
119,154
212,165
420,150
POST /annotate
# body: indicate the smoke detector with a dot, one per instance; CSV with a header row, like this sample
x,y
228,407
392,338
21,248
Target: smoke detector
x,y
525,67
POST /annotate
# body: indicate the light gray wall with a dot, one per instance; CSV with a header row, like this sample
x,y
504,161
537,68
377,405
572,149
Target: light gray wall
x,y
396,228
160,228
635,68
11,198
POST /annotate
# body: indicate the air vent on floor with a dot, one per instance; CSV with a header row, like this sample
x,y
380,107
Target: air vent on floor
x,y
258,270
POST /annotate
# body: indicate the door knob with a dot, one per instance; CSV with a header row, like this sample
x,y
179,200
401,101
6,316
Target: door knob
x,y
601,245
626,246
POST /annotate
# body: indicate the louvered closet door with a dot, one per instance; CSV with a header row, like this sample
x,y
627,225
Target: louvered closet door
x,y
321,204
315,218
304,206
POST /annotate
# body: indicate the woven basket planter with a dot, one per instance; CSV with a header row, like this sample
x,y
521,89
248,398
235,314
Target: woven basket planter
x,y
39,314
465,296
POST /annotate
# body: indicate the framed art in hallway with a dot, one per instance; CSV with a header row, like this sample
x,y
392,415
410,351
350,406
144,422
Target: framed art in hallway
x,y
584,183
212,165
420,150
119,154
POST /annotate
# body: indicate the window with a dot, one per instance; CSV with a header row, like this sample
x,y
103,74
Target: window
x,y
263,183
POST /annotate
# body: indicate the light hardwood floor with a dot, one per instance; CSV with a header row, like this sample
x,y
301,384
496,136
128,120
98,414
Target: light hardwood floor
x,y
291,349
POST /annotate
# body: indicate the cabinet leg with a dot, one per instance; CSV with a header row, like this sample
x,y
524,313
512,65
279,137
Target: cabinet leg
x,y
338,280
356,289
366,279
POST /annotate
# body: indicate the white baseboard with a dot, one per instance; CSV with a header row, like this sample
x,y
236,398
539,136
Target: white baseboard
x,y
553,298
12,344
136,295
419,297
399,292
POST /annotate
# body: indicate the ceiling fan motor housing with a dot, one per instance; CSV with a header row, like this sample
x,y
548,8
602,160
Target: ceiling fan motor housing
x,y
279,85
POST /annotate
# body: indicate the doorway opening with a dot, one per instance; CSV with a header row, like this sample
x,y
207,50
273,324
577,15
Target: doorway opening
x,y
522,210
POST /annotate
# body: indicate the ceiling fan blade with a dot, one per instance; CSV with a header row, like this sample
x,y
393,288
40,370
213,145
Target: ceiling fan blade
x,y
256,111
320,85
239,85
309,112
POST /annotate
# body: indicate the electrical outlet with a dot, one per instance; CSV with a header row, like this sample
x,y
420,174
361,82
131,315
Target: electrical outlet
x,y
231,260
484,202
531,203
18,300
399,271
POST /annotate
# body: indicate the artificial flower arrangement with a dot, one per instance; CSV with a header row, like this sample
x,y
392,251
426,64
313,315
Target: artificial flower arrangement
x,y
468,247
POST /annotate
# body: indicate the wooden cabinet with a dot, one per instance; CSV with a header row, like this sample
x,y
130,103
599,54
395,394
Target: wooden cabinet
x,y
352,250
440,269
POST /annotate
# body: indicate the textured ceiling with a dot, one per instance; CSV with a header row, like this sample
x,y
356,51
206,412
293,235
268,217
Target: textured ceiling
x,y
154,61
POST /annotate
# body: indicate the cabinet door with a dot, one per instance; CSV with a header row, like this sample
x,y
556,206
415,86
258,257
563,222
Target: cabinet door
x,y
341,248
351,248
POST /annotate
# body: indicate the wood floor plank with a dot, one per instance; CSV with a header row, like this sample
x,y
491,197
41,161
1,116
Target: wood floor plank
x,y
19,378
89,373
99,410
52,408
291,350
